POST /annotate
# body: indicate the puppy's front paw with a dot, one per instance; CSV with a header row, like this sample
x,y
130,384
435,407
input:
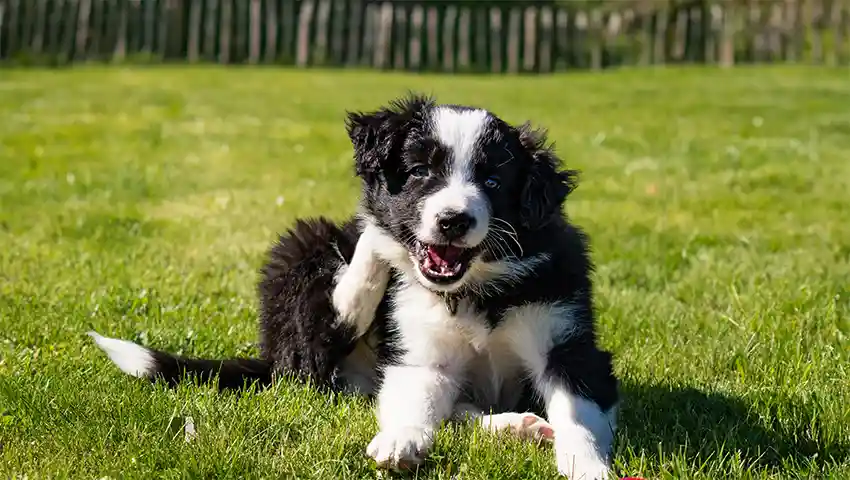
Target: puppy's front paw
x,y
358,293
582,466
400,449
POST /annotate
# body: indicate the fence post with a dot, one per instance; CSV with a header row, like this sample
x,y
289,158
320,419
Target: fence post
x,y
843,34
82,29
339,19
449,19
370,22
659,55
546,22
304,18
529,44
209,14
98,29
816,14
355,33
13,16
2,21
319,53
400,37
271,31
194,43
433,43
680,31
224,32
562,40
596,36
834,22
463,40
383,32
513,39
26,25
38,31
255,31
417,20
481,36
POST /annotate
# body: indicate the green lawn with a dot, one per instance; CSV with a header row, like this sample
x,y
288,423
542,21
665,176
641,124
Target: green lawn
x,y
140,202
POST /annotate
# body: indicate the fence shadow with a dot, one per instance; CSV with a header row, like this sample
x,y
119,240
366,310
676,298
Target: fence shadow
x,y
661,421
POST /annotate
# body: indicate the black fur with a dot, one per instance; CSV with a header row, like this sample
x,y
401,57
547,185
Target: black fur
x,y
297,330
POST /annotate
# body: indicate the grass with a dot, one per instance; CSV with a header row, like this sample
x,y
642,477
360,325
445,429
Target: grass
x,y
139,202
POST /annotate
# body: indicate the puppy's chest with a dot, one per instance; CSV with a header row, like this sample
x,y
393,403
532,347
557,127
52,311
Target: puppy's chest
x,y
463,342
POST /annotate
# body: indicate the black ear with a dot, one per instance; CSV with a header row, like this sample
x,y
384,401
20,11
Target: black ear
x,y
377,136
545,187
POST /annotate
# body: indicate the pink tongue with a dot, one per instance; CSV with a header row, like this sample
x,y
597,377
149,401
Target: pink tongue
x,y
444,255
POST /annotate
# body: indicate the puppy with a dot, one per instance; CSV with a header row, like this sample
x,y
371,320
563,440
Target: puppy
x,y
460,288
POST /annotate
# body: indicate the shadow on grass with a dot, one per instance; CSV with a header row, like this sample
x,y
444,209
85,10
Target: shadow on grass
x,y
661,422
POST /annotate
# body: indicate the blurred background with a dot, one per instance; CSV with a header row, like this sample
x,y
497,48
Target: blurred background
x,y
427,35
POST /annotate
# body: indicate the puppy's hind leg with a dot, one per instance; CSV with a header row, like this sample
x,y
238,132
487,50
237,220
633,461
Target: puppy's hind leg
x,y
524,425
360,285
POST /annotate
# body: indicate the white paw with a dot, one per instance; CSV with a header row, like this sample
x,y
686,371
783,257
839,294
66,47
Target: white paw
x,y
525,425
400,449
357,294
581,466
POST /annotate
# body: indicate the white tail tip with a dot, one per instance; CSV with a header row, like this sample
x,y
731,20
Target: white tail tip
x,y
132,359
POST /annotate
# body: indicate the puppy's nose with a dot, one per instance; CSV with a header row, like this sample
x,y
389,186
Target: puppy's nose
x,y
454,225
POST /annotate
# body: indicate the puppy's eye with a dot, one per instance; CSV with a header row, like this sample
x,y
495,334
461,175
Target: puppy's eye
x,y
493,182
419,171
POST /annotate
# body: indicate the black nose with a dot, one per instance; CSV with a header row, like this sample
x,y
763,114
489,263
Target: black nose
x,y
454,225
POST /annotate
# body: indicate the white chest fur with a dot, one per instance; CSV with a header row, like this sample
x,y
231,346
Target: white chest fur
x,y
487,361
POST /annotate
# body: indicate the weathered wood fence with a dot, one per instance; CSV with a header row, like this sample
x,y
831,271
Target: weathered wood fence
x,y
434,35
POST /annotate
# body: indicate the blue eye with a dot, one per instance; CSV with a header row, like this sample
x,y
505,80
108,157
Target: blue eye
x,y
493,182
419,171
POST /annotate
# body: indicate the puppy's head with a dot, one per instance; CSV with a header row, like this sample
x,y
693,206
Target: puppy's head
x,y
455,186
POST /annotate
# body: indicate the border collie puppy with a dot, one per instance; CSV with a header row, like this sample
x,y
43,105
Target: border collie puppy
x,y
459,288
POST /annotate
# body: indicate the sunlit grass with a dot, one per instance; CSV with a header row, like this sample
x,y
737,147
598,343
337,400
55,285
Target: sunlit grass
x,y
140,202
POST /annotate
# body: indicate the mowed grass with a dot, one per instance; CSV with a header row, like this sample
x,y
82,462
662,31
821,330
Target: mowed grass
x,y
140,203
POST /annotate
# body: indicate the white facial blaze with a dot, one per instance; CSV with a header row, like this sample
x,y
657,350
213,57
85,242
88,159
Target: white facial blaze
x,y
459,131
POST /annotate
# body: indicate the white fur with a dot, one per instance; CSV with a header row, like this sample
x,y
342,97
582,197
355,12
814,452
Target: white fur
x,y
418,394
459,131
532,330
584,434
460,195
446,353
361,284
401,448
132,359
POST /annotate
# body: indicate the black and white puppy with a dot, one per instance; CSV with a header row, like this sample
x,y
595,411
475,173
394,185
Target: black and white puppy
x,y
460,288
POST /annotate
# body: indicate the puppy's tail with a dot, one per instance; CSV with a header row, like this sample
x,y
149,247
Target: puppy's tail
x,y
138,361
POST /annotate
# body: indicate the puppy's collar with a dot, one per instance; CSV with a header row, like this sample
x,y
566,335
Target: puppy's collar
x,y
451,300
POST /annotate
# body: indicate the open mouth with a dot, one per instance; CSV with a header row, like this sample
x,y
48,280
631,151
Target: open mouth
x,y
443,264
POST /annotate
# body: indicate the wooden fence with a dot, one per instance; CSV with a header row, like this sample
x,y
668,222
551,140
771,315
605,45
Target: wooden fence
x,y
433,35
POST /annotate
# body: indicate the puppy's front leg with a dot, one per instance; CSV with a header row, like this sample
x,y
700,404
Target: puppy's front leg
x,y
574,379
361,284
583,432
412,403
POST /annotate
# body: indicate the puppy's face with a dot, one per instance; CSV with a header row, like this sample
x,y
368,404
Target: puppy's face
x,y
455,186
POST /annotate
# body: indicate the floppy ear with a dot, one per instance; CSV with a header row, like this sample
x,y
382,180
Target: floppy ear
x,y
545,187
378,136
